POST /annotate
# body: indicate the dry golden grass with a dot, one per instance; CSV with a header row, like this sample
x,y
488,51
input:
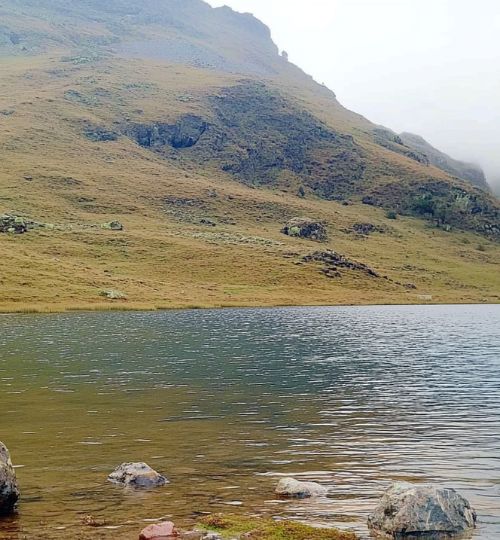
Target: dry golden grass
x,y
165,258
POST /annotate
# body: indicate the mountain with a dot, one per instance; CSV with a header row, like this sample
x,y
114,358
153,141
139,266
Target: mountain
x,y
185,124
466,171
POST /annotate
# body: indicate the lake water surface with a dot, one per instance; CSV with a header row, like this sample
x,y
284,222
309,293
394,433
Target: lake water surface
x,y
224,402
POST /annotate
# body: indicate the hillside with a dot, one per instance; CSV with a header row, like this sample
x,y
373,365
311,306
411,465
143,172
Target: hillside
x,y
465,171
184,124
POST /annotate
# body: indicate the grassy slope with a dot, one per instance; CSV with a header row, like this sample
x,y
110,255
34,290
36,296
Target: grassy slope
x,y
165,258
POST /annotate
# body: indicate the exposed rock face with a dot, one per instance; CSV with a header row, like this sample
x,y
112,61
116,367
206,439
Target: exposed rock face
x,y
334,261
265,137
306,228
291,488
411,511
137,475
97,133
262,138
9,491
186,132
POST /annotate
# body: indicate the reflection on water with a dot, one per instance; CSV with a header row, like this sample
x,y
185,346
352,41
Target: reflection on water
x,y
225,401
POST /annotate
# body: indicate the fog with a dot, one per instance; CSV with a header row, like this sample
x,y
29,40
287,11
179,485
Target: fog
x,y
430,67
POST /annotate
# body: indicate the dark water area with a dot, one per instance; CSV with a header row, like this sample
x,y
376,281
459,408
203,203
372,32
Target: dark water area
x,y
225,402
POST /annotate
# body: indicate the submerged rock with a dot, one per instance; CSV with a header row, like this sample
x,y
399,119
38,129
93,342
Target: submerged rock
x,y
421,511
158,531
137,475
289,487
306,228
9,491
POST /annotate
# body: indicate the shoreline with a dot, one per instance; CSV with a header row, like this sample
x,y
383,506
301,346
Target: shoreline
x,y
123,307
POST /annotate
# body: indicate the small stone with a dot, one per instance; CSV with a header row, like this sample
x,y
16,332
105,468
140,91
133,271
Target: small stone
x,y
291,488
159,531
137,475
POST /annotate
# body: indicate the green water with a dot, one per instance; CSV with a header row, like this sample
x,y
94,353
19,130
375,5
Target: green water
x,y
224,402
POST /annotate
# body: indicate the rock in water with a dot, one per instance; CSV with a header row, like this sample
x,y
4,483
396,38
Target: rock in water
x,y
421,511
9,491
159,531
289,487
137,475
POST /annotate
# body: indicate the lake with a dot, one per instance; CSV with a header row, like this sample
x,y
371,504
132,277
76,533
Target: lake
x,y
225,402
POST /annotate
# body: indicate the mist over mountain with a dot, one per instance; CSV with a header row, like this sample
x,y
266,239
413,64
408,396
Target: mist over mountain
x,y
420,67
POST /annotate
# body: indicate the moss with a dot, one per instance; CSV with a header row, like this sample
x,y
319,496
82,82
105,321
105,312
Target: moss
x,y
268,529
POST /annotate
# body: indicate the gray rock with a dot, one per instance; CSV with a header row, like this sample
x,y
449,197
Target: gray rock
x,y
112,294
291,488
13,224
9,491
306,228
113,226
212,536
137,475
408,511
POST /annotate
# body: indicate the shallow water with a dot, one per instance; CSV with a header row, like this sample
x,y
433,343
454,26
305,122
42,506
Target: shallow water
x,y
225,401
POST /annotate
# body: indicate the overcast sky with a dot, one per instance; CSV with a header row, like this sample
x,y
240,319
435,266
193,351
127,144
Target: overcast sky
x,y
431,67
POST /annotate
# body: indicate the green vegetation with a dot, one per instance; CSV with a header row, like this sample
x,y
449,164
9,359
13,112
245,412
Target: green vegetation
x,y
267,529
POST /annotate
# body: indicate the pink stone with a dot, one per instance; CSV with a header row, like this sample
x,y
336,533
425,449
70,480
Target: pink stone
x,y
157,532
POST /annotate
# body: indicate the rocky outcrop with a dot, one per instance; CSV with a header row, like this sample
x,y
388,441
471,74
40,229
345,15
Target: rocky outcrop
x,y
261,137
96,133
113,226
291,488
365,229
306,228
137,475
185,133
447,207
13,224
9,491
421,511
334,261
